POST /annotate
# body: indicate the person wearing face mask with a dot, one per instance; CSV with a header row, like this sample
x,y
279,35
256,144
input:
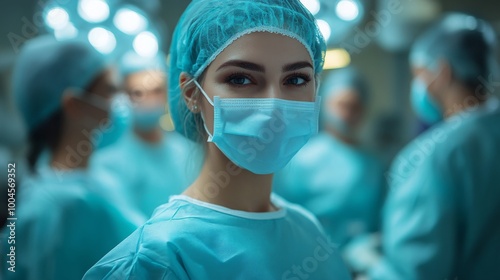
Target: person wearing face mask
x,y
68,99
333,176
148,164
442,216
252,104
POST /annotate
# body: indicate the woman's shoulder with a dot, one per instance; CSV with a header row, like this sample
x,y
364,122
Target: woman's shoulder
x,y
145,254
151,251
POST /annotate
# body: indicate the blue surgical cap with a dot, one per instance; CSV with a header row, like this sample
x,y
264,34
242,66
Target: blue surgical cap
x,y
465,42
45,68
207,27
132,63
345,78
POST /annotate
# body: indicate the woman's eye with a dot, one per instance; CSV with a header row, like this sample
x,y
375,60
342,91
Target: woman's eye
x,y
297,81
241,81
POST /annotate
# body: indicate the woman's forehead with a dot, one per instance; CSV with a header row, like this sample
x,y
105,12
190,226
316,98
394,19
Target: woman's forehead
x,y
265,48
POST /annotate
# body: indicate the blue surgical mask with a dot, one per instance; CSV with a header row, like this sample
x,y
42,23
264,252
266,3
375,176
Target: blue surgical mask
x,y
261,134
148,119
423,104
120,119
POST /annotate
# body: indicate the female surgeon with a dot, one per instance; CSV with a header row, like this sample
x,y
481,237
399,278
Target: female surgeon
x,y
66,93
243,79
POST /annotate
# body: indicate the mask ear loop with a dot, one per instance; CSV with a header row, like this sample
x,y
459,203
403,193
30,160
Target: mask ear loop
x,y
203,92
210,136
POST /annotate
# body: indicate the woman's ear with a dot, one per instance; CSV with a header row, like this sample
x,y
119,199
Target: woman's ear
x,y
189,92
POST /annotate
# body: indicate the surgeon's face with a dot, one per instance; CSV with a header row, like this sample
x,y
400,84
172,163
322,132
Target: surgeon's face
x,y
347,106
147,89
259,65
104,87
91,108
436,81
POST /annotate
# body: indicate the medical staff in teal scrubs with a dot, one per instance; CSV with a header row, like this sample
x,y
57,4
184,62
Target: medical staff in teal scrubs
x,y
442,217
148,165
67,96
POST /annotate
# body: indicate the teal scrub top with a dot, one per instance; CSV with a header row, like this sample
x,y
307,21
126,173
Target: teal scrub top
x,y
442,218
63,226
340,184
141,175
191,239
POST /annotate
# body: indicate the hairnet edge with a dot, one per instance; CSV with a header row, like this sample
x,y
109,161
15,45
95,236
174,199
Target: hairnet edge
x,y
269,29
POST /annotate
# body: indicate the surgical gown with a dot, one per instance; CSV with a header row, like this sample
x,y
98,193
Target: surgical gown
x,y
442,219
63,227
142,176
341,185
190,239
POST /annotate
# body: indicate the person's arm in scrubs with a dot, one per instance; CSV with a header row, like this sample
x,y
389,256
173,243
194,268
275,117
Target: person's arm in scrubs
x,y
419,225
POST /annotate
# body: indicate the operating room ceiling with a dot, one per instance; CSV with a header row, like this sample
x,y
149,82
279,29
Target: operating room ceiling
x,y
19,15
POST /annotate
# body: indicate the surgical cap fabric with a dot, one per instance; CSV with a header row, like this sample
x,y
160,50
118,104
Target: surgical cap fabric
x,y
463,41
45,69
207,27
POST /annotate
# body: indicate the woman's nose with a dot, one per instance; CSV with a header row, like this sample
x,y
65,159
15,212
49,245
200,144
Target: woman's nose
x,y
275,91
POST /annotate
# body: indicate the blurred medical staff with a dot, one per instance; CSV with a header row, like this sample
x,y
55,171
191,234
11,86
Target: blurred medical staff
x,y
442,219
332,175
147,165
68,99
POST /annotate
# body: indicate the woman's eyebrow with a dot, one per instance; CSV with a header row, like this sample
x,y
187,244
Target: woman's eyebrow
x,y
296,66
243,64
259,68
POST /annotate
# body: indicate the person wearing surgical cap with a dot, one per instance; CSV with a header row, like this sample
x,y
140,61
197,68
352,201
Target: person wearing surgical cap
x,y
251,104
67,97
442,216
167,160
333,176
345,98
